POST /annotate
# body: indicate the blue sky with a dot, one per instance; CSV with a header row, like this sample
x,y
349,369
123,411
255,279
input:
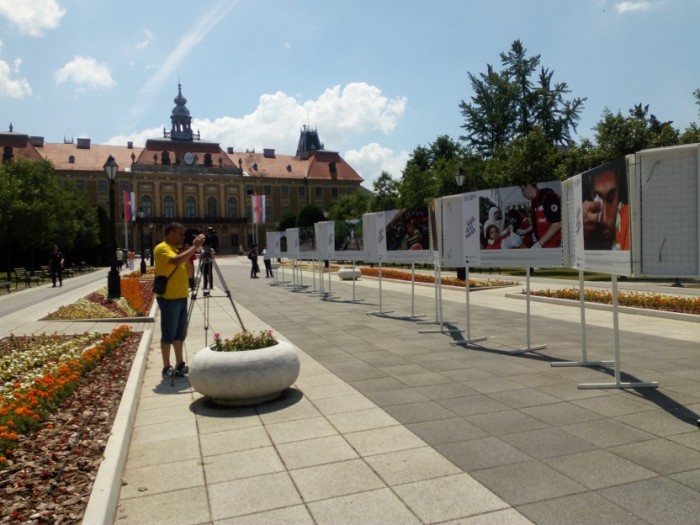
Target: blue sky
x,y
377,78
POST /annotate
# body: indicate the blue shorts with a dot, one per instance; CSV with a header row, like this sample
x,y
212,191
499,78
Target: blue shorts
x,y
173,319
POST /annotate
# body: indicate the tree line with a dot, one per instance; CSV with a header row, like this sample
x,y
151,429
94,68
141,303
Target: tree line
x,y
518,125
38,211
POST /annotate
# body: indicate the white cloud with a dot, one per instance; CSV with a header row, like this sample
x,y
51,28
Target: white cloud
x,y
625,7
86,72
147,39
17,87
341,116
370,160
32,17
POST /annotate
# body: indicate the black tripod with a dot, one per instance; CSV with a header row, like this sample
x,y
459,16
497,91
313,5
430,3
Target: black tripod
x,y
193,298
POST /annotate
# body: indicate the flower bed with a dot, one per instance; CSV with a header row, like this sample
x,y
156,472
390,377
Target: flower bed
x,y
48,474
136,301
389,273
652,301
39,373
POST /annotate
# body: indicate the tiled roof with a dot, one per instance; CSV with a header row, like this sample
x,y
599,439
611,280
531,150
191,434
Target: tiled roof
x,y
289,166
262,165
92,159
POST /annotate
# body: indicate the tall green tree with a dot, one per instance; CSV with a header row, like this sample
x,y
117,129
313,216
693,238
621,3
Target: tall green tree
x,y
386,193
512,102
617,135
351,206
38,211
309,215
430,172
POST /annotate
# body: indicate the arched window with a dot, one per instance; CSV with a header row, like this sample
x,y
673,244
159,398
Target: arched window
x,y
190,208
169,207
232,208
147,206
211,208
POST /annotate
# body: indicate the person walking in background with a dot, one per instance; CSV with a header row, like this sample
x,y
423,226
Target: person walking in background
x,y
267,262
120,259
171,262
130,256
56,262
254,267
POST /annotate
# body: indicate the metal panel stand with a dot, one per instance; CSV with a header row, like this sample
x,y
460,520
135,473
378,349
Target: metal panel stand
x,y
584,347
616,331
469,339
529,347
297,278
276,281
381,311
354,299
438,307
413,314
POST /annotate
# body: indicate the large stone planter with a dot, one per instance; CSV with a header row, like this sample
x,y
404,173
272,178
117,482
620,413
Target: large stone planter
x,y
349,274
247,377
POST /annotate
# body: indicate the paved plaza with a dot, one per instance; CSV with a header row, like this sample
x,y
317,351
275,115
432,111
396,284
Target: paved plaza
x,y
389,422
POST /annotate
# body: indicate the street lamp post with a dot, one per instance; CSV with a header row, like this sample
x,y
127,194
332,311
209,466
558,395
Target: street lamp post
x,y
150,240
113,281
459,180
143,252
459,177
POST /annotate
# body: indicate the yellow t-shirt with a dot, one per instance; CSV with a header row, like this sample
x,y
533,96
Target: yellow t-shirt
x,y
178,283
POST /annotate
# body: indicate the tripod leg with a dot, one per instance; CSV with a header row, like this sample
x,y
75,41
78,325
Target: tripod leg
x,y
228,292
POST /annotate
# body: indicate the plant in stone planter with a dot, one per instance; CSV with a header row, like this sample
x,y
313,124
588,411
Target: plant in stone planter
x,y
245,370
244,340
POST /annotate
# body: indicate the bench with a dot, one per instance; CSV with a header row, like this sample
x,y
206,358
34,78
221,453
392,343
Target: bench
x,y
6,284
21,274
45,273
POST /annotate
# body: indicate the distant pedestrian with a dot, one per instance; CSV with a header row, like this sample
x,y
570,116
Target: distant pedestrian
x,y
56,262
268,263
130,256
254,267
120,259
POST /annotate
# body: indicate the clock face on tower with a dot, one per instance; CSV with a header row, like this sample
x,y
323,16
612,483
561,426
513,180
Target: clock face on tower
x,y
188,158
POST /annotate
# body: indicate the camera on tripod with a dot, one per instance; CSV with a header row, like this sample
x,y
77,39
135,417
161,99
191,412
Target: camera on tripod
x,y
210,238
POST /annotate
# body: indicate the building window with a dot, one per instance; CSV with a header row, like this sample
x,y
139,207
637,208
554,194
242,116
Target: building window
x,y
267,189
284,191
147,206
211,208
169,207
232,208
190,208
249,189
80,185
285,208
302,191
319,192
102,186
268,211
334,192
123,186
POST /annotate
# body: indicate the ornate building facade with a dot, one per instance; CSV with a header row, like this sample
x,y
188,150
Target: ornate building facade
x,y
179,177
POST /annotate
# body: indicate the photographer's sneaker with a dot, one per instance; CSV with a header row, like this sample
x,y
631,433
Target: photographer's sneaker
x,y
182,369
168,371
